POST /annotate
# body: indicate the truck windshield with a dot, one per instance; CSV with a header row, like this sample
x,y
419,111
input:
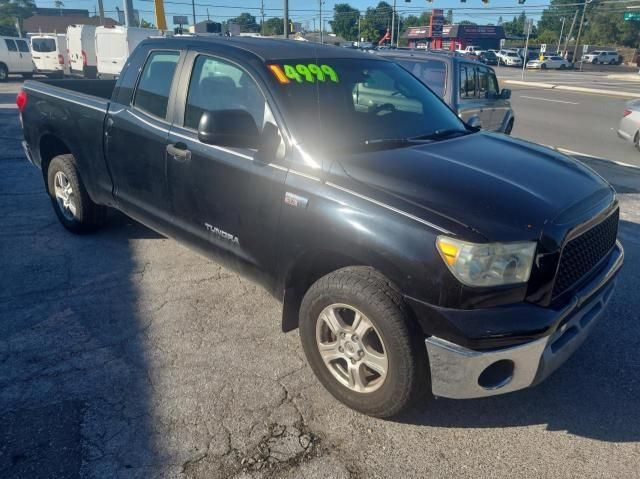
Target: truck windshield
x,y
350,103
43,45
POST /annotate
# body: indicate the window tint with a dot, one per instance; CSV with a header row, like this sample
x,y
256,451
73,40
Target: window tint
x,y
431,72
218,85
23,46
467,82
43,45
152,94
11,45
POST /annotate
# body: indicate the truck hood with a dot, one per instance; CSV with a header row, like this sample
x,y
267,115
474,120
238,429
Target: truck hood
x,y
502,188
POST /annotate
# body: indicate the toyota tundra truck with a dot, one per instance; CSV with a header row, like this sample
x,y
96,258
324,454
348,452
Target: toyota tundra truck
x,y
413,252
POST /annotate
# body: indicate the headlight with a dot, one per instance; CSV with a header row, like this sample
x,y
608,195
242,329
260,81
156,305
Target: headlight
x,y
489,264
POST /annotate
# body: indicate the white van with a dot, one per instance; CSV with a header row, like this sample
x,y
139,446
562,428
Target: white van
x,y
115,44
15,57
81,42
49,53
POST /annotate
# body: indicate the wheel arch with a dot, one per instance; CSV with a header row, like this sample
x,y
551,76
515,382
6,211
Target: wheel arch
x,y
49,147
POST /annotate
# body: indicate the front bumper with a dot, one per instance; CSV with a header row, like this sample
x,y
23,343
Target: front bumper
x,y
460,373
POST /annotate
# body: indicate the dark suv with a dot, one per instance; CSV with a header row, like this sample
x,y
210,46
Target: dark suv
x,y
469,87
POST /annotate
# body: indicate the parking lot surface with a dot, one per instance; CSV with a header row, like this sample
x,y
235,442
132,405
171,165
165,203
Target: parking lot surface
x,y
123,354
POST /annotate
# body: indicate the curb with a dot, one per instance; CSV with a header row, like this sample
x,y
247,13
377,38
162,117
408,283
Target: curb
x,y
552,86
631,77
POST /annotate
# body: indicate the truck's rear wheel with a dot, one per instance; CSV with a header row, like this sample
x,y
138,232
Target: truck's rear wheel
x,y
361,342
4,72
71,202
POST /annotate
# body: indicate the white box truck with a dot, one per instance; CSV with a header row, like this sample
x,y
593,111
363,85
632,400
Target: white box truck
x,y
115,44
81,42
49,53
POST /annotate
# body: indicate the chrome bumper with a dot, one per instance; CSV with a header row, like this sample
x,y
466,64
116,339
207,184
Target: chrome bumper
x,y
461,373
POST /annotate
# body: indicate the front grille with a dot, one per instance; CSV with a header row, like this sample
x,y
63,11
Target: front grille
x,y
582,254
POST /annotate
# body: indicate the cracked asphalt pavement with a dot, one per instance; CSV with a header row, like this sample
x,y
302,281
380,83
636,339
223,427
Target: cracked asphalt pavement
x,y
123,354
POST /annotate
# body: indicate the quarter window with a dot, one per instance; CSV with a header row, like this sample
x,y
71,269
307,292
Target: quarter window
x,y
219,85
11,45
152,94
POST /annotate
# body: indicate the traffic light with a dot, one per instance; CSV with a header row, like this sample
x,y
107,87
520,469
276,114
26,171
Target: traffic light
x,y
521,2
487,1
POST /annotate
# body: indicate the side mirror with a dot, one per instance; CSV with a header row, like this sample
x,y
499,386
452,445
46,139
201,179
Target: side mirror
x,y
505,94
269,144
235,128
474,122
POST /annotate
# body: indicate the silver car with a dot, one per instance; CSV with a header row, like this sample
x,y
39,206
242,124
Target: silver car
x,y
629,128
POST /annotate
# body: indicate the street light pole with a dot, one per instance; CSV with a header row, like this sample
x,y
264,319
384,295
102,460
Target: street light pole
x,y
320,5
566,38
560,37
286,18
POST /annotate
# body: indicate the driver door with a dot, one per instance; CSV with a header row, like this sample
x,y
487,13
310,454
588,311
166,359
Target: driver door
x,y
224,203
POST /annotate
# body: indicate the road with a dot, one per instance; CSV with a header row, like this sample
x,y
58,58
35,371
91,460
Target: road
x,y
122,354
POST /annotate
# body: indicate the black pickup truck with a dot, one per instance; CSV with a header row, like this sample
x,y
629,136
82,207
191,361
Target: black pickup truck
x,y
412,250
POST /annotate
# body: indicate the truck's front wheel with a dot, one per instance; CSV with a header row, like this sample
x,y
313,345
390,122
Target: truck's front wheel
x,y
361,342
71,202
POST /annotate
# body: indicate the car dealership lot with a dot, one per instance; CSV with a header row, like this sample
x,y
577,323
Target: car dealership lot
x,y
123,351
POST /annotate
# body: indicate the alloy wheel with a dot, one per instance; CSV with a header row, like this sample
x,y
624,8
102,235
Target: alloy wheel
x,y
64,195
351,348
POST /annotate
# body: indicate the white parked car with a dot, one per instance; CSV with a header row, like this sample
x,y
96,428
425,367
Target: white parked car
x,y
509,58
81,42
600,56
115,44
15,57
49,53
549,61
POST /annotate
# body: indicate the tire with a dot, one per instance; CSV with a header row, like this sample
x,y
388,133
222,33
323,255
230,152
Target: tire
x,y
81,214
350,291
637,140
543,66
562,66
595,61
509,127
4,72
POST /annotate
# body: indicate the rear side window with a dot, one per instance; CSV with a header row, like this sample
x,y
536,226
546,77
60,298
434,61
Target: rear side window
x,y
23,46
11,45
154,87
43,45
487,85
432,72
467,82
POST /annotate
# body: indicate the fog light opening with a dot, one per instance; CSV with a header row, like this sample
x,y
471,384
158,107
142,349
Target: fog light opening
x,y
497,375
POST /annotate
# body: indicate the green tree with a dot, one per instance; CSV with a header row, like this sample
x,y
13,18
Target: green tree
x,y
146,24
605,27
448,19
247,23
345,21
467,22
376,21
516,26
12,10
274,26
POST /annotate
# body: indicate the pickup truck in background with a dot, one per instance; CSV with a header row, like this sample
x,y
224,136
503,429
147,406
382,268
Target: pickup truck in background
x,y
410,249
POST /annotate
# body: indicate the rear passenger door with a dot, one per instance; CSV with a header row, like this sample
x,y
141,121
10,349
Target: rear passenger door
x,y
470,104
26,62
225,203
136,140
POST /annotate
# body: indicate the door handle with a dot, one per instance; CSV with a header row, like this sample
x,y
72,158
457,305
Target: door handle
x,y
179,151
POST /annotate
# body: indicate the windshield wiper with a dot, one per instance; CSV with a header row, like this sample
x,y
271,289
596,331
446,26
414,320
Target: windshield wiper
x,y
441,134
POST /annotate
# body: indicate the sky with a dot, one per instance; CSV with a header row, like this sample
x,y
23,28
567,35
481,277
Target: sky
x,y
306,11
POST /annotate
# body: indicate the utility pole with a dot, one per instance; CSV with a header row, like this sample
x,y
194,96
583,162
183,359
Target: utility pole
x,y
286,18
321,39
393,21
101,11
584,10
262,15
566,40
528,24
359,37
128,13
193,8
560,37
398,35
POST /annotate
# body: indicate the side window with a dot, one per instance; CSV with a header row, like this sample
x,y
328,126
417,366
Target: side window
x,y
152,94
11,45
494,89
431,72
487,83
467,82
218,85
22,46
